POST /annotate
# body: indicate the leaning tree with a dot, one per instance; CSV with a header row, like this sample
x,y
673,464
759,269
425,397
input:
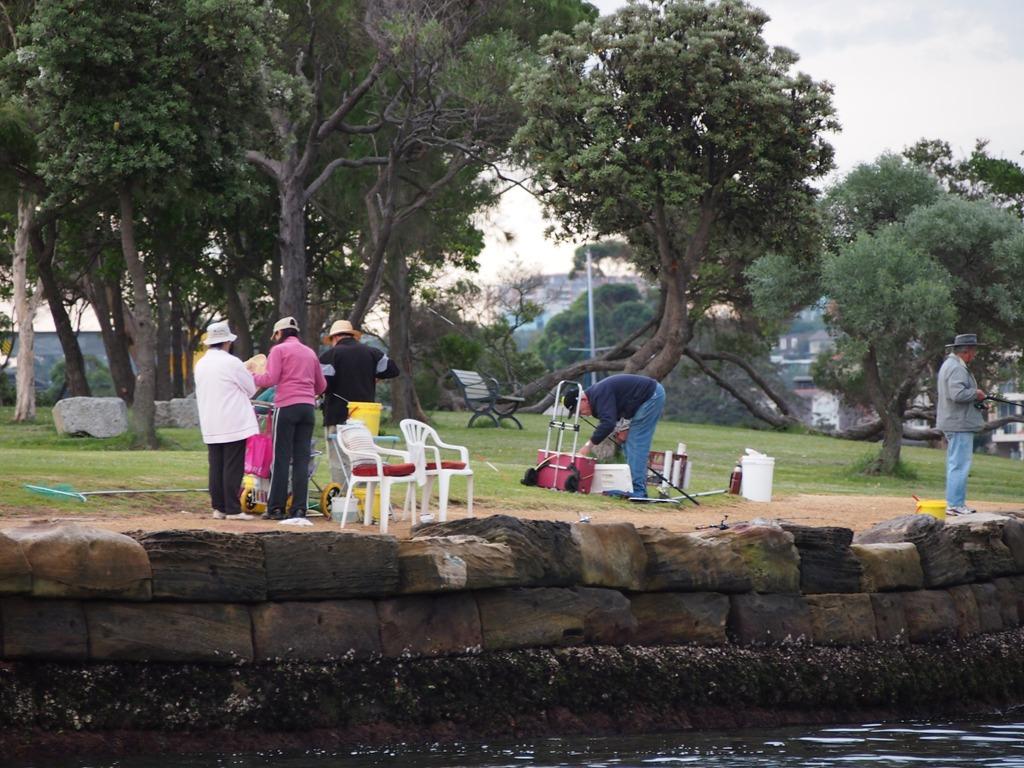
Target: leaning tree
x,y
673,123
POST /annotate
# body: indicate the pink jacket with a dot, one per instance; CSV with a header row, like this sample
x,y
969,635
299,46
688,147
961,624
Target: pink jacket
x,y
293,368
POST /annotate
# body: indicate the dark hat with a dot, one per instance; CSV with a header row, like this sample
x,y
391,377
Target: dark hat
x,y
966,340
570,398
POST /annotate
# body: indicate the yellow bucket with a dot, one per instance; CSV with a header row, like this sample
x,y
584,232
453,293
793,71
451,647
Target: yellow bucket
x,y
360,493
368,413
934,507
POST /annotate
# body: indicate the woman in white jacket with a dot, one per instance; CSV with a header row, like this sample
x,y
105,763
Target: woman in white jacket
x,y
223,391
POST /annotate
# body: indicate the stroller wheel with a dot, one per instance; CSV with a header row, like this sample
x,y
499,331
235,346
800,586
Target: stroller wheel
x,y
248,500
530,478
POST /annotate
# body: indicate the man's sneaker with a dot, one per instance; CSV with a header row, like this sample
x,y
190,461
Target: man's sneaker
x,y
275,514
218,515
239,516
959,511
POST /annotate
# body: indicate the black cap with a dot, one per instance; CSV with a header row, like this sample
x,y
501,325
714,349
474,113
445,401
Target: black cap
x,y
570,398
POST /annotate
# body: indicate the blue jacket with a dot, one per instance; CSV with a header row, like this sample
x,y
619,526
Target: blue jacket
x,y
617,397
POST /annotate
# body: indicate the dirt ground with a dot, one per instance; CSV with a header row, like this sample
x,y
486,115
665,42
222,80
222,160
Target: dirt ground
x,y
848,511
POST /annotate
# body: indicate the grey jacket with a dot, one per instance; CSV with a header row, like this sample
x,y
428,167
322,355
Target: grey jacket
x,y
955,411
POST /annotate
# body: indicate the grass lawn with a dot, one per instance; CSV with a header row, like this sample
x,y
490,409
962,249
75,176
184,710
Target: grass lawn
x,y
35,454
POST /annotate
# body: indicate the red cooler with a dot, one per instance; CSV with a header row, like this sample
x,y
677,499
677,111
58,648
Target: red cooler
x,y
556,472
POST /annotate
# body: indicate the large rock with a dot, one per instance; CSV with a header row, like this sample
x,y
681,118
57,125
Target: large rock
x,y
43,629
429,626
91,416
216,633
980,538
72,560
688,562
887,567
1013,538
181,412
826,564
317,631
890,620
990,615
199,565
768,553
674,618
545,553
613,555
15,572
931,615
770,619
966,607
522,618
944,564
444,563
842,619
329,565
1010,591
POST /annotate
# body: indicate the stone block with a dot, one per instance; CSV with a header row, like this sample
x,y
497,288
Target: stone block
x,y
980,538
943,563
43,629
966,607
826,564
437,625
444,563
770,619
545,553
1013,538
181,412
688,562
15,572
841,619
887,567
990,615
612,554
91,416
931,615
1010,593
200,565
768,553
522,618
316,631
675,618
890,620
72,560
329,565
215,633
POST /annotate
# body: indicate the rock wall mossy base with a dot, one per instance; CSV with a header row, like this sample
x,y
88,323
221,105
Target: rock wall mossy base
x,y
137,707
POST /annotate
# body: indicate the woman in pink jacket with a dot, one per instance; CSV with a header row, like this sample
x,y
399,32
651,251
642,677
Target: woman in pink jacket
x,y
294,370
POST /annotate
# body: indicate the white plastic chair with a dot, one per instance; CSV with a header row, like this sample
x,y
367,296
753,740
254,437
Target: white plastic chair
x,y
366,461
425,447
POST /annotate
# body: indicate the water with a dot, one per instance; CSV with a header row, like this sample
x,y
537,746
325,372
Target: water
x,y
990,743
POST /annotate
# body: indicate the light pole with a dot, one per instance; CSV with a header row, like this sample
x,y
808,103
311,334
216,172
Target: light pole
x,y
590,314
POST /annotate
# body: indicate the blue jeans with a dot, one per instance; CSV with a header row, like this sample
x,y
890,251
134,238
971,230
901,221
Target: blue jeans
x,y
959,452
641,432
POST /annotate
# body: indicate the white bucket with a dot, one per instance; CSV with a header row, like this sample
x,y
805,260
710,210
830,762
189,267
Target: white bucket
x,y
757,477
339,511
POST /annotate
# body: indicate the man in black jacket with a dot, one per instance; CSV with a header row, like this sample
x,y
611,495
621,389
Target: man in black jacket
x,y
352,370
640,399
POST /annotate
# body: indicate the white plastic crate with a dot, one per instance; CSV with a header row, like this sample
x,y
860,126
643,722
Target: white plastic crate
x,y
611,477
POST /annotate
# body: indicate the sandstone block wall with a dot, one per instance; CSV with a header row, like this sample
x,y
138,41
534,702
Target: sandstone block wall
x,y
71,592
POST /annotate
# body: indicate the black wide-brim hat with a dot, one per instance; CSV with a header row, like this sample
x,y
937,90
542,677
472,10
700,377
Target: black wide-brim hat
x,y
966,340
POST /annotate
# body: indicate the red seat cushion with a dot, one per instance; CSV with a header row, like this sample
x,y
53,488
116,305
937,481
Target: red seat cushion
x,y
390,470
447,465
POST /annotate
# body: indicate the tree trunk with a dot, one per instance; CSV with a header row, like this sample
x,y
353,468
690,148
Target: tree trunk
x,y
25,307
292,245
890,411
178,350
75,380
163,386
238,319
405,403
143,409
105,297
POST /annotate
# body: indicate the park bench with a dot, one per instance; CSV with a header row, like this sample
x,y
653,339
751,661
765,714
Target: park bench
x,y
482,395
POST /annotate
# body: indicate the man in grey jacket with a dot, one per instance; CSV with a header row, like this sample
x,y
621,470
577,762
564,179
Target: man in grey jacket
x,y
958,418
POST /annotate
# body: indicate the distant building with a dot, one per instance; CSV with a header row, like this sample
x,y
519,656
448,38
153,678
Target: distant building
x,y
46,347
556,293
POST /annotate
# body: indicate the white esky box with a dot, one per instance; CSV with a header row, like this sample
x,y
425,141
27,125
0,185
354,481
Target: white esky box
x,y
611,477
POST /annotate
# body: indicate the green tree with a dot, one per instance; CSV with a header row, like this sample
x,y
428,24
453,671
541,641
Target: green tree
x,y
138,97
675,125
977,176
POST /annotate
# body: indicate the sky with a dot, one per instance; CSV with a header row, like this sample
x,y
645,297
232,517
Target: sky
x,y
902,70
